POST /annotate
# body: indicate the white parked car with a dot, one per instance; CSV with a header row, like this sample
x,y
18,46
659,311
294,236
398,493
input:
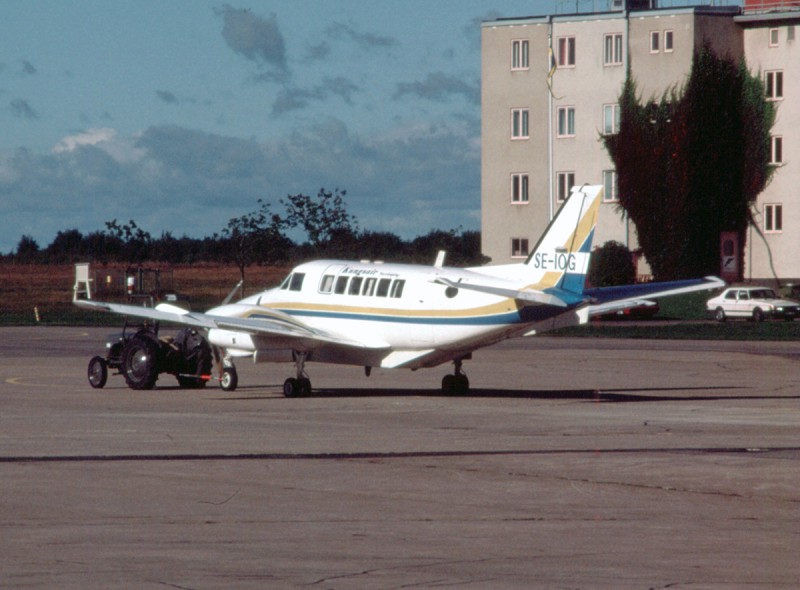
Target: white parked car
x,y
757,303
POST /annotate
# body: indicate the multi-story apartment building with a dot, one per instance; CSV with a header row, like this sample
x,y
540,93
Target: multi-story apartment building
x,y
542,126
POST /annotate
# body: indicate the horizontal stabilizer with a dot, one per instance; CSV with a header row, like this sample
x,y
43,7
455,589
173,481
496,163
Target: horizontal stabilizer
x,y
609,299
526,296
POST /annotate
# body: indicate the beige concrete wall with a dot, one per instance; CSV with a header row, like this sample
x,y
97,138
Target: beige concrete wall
x,y
784,186
590,85
504,89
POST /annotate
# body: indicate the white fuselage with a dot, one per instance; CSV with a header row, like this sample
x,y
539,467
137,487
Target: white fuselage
x,y
387,307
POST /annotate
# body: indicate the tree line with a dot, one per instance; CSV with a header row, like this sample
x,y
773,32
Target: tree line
x,y
257,237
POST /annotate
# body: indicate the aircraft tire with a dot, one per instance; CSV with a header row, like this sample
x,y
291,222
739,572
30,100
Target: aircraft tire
x,y
455,384
98,372
297,387
291,387
230,379
140,363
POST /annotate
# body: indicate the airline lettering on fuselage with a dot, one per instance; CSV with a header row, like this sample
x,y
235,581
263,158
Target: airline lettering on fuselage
x,y
349,270
367,272
554,261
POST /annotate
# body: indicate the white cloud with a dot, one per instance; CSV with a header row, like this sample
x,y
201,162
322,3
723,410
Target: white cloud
x,y
122,149
89,137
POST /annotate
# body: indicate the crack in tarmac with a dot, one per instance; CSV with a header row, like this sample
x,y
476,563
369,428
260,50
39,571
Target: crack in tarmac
x,y
761,451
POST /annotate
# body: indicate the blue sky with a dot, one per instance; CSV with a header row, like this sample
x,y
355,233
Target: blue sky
x,y
181,114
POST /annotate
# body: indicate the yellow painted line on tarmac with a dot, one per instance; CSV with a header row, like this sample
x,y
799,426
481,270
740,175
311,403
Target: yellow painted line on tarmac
x,y
71,336
18,381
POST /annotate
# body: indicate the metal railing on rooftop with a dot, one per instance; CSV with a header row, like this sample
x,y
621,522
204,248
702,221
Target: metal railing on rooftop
x,y
596,6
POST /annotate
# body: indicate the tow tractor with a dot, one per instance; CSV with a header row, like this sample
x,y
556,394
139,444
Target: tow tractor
x,y
140,353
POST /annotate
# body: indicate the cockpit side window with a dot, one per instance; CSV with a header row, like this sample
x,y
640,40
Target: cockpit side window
x,y
296,283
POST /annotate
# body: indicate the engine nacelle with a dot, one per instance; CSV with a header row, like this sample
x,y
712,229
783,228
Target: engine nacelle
x,y
235,343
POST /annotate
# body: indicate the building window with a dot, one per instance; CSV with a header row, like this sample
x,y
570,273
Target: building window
x,y
773,218
519,247
519,124
612,49
564,183
669,40
655,41
566,121
774,83
519,188
520,51
776,153
610,119
610,194
566,52
773,37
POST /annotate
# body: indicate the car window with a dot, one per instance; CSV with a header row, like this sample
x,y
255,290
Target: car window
x,y
730,295
744,295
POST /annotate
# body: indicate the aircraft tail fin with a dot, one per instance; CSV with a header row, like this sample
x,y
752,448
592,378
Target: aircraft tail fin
x,y
560,259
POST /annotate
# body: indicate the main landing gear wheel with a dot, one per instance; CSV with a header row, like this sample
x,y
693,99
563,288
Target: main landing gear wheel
x,y
456,384
98,372
297,387
230,379
301,385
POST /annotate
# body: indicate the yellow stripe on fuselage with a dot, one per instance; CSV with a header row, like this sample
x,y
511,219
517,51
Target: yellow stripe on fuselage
x,y
505,306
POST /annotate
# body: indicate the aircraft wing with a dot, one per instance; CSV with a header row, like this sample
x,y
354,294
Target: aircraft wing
x,y
262,321
610,299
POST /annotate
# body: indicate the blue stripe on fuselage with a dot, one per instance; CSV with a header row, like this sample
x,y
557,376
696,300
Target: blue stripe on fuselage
x,y
525,315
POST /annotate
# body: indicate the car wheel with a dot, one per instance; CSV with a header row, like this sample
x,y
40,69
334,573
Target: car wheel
x,y
758,315
719,315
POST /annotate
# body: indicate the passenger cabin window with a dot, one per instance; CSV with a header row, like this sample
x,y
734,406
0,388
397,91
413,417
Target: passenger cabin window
x,y
355,286
326,285
365,287
383,287
341,285
397,288
369,287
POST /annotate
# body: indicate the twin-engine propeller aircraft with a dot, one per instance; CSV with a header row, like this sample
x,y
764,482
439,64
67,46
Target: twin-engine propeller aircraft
x,y
372,314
